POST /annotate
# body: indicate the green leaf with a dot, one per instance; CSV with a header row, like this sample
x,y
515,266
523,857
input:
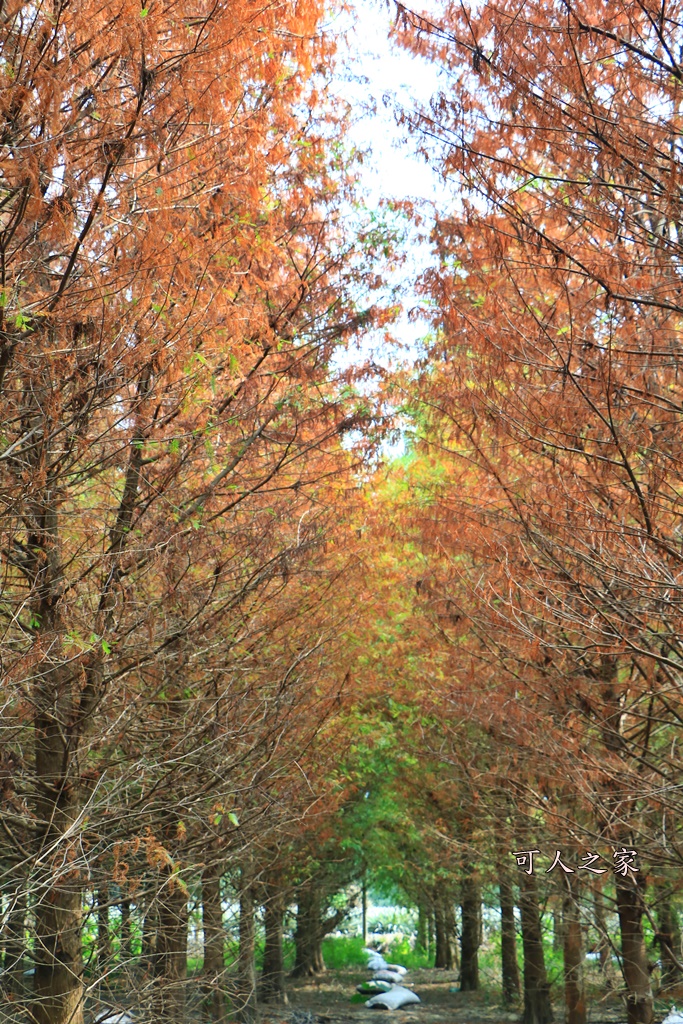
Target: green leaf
x,y
105,647
144,12
232,817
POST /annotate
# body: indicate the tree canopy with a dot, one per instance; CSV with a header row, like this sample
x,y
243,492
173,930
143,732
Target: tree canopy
x,y
253,658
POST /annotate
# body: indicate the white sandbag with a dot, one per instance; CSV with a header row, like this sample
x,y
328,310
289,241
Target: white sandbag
x,y
371,988
674,1016
393,976
114,1018
394,999
397,967
377,963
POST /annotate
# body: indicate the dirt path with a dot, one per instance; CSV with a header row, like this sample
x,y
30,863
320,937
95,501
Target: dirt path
x,y
326,1000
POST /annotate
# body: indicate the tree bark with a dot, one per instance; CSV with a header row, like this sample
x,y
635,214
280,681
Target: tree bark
x,y
639,1001
171,952
470,936
537,1007
214,942
575,1000
273,978
508,940
246,969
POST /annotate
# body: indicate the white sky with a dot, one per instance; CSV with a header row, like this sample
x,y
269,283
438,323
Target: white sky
x,y
377,78
394,78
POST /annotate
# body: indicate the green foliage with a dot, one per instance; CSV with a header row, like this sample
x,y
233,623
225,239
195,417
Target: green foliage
x,y
342,953
401,952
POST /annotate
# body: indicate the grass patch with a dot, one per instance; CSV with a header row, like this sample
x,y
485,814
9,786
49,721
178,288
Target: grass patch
x,y
344,953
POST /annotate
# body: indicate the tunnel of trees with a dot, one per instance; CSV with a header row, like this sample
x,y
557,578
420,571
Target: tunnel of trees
x,y
255,664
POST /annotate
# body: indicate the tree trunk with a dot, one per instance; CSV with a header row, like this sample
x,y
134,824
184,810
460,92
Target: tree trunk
x,y
15,942
273,978
639,1002
669,940
470,936
171,953
126,946
246,969
508,940
58,981
103,932
604,949
440,954
214,942
537,1007
558,928
364,911
573,955
308,936
423,922
444,926
149,937
452,935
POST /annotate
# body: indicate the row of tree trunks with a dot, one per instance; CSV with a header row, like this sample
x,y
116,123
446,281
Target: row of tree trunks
x,y
105,944
311,928
165,934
